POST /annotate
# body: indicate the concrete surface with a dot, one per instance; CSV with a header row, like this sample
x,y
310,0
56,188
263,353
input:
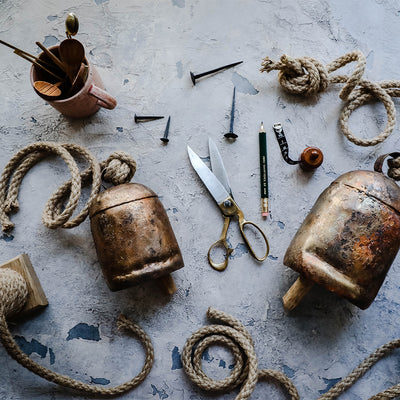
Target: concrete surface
x,y
144,51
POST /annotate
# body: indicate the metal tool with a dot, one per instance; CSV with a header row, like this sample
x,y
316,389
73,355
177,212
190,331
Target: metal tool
x,y
213,71
165,137
311,157
144,118
217,183
230,134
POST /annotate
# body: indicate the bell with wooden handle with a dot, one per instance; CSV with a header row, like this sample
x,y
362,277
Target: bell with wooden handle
x,y
349,239
133,237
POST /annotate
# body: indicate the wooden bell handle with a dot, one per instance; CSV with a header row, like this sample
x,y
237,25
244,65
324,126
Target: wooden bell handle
x,y
167,284
296,292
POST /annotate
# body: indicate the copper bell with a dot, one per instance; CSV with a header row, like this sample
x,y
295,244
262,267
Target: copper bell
x,y
349,239
133,237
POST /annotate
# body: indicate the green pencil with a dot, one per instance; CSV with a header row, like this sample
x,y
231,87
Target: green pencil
x,y
263,171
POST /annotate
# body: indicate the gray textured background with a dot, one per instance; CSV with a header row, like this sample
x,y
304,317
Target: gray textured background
x,y
144,51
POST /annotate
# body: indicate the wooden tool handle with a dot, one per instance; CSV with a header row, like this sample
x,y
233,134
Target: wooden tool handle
x,y
52,57
296,292
167,284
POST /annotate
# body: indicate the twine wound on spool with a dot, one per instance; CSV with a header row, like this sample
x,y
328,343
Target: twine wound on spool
x,y
307,76
118,168
14,294
231,333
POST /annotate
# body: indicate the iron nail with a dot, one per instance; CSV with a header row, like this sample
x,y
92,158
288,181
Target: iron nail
x,y
165,137
144,118
196,76
230,134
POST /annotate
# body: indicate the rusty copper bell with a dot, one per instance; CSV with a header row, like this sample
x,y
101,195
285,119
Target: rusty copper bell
x,y
349,239
133,237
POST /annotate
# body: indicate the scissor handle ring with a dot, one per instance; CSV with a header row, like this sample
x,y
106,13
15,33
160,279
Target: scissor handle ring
x,y
242,224
220,243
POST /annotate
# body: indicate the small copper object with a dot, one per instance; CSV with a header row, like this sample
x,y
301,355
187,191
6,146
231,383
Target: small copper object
x,y
311,158
349,239
133,237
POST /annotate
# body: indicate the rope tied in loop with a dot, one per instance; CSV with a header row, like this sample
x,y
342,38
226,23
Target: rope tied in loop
x,y
307,76
118,168
233,335
13,295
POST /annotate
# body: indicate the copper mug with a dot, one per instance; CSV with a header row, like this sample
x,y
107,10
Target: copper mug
x,y
87,101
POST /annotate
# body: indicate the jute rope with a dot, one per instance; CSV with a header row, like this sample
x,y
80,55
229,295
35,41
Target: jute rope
x,y
233,335
13,295
307,76
118,168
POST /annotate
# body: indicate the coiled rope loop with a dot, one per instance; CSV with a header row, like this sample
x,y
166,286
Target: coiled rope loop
x,y
233,335
307,76
118,168
13,295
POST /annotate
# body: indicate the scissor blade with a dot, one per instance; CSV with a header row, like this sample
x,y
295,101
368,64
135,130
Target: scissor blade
x,y
213,185
217,166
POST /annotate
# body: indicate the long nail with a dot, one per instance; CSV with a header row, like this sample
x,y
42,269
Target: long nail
x,y
197,76
144,118
230,134
165,137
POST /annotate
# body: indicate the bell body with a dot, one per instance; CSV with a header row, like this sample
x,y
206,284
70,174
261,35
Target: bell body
x,y
350,237
133,236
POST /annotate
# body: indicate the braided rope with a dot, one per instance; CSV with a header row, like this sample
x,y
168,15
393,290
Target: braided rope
x,y
307,76
233,335
118,168
13,295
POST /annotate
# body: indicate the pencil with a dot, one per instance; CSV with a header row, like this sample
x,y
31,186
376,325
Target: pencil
x,y
263,171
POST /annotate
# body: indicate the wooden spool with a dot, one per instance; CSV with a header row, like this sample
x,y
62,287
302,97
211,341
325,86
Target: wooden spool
x,y
36,298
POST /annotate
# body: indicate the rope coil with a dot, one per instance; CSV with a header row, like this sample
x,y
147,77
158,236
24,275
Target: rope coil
x,y
232,334
13,295
307,76
118,168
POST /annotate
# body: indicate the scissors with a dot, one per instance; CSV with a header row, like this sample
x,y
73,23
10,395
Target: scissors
x,y
217,183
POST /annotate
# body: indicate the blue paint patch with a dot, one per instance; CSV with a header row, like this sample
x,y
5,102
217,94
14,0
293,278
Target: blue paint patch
x,y
174,210
243,85
126,81
187,292
281,224
289,372
84,331
231,366
206,356
31,347
240,249
179,3
51,17
329,384
34,120
179,69
6,238
272,258
162,393
176,359
52,356
98,2
50,41
119,129
99,381
222,363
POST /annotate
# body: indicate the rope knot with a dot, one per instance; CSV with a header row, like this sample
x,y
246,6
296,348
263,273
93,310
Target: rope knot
x,y
305,75
118,168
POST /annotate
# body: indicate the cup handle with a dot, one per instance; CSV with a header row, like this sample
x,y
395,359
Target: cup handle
x,y
104,99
